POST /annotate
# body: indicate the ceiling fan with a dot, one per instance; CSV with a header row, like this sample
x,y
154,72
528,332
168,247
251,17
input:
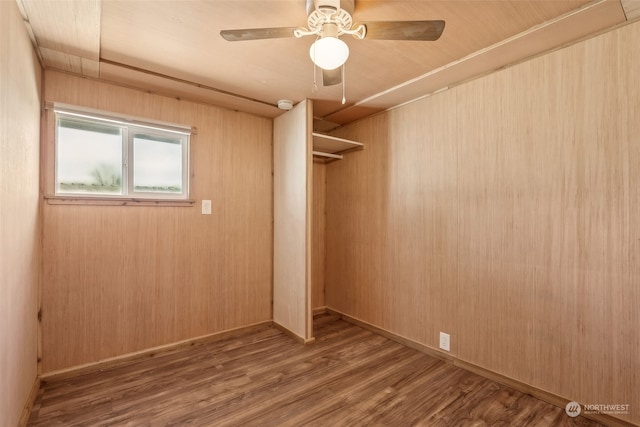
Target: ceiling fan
x,y
328,20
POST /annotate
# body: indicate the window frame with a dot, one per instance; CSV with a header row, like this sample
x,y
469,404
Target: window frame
x,y
130,127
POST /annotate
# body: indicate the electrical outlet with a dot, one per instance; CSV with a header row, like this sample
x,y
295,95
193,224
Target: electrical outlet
x,y
206,207
444,341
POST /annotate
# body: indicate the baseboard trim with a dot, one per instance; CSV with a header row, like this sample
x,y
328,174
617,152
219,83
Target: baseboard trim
x,y
26,411
319,310
541,394
394,337
293,335
148,353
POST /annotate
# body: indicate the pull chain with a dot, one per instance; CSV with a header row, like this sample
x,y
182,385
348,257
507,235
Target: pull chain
x,y
315,69
315,85
344,99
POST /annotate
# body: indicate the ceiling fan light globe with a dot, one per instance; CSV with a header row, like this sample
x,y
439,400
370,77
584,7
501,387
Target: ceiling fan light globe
x,y
329,53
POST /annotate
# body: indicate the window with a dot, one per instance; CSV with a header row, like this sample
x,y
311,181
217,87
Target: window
x,y
107,157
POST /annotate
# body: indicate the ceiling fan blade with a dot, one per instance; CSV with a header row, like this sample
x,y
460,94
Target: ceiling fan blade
x,y
257,33
404,30
332,77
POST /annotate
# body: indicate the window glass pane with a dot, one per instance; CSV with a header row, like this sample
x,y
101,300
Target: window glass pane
x,y
157,164
88,157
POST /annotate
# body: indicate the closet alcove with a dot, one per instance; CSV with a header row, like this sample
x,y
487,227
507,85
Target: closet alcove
x,y
300,158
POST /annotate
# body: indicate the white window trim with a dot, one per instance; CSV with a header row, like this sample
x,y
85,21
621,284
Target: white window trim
x,y
122,118
130,126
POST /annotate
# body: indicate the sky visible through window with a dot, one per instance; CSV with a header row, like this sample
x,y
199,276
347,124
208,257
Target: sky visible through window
x,y
157,165
91,161
82,154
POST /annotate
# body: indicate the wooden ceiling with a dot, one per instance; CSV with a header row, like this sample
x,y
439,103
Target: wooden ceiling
x,y
174,47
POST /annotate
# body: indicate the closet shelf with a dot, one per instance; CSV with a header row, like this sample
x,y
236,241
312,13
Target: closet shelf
x,y
329,148
328,155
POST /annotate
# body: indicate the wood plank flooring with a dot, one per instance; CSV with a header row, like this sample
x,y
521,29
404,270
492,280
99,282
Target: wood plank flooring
x,y
348,377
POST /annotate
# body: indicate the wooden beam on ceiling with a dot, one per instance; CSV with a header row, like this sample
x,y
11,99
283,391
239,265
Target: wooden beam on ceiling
x,y
631,9
66,34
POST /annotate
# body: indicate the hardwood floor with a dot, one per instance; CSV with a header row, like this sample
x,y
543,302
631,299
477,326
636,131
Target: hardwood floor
x,y
349,376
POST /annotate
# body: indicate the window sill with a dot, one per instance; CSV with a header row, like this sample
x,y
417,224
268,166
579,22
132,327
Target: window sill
x,y
116,201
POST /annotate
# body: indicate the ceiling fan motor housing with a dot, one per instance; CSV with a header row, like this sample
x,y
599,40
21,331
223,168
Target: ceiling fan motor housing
x,y
329,14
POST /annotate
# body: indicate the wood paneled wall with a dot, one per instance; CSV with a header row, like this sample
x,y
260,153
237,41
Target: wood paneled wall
x,y
20,82
292,198
121,279
505,212
318,235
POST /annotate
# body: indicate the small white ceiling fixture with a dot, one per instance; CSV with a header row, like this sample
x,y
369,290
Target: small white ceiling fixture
x,y
285,104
